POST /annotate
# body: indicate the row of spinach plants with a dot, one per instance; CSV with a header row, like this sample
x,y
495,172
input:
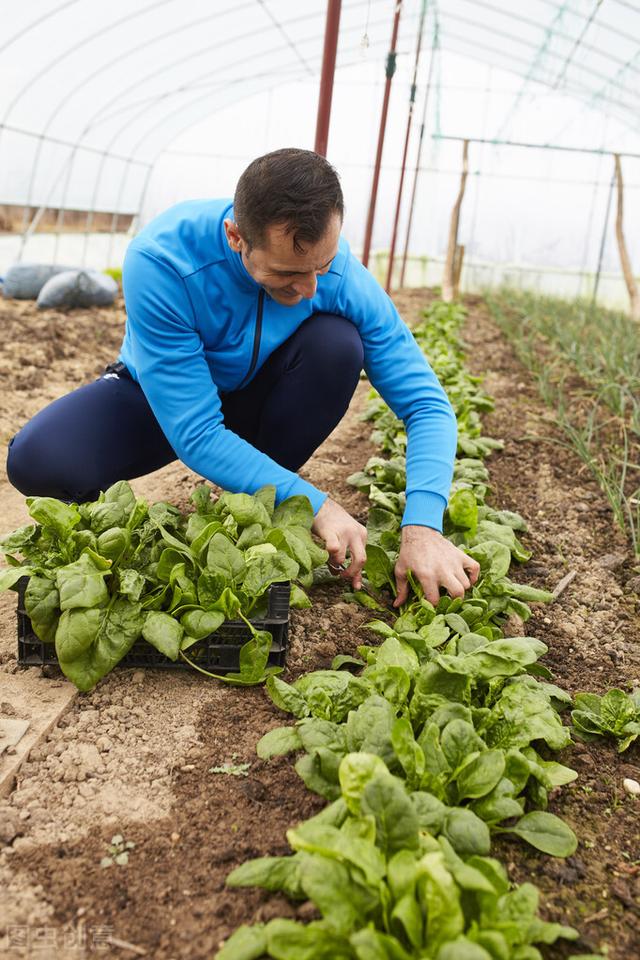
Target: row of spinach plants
x,y
440,742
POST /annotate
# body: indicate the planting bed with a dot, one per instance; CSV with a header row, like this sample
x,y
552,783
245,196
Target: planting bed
x,y
135,757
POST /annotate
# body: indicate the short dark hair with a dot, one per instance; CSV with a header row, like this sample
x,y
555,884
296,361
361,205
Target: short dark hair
x,y
296,188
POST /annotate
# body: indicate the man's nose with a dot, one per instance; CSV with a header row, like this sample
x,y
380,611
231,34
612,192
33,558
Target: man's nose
x,y
306,286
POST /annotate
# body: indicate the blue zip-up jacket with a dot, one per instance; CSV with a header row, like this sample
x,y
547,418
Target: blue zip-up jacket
x,y
191,332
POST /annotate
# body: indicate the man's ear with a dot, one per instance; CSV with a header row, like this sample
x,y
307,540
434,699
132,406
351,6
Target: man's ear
x,y
234,239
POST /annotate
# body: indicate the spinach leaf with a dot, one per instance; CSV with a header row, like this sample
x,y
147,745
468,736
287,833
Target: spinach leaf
x,y
385,799
273,568
379,568
200,623
112,543
42,604
356,771
54,515
164,633
295,511
81,583
245,509
10,576
90,642
278,742
224,558
271,873
463,510
466,832
545,832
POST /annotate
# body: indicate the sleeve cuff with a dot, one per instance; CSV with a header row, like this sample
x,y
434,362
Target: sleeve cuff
x,y
424,509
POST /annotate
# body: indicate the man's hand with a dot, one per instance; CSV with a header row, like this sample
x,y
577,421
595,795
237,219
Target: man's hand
x,y
435,563
341,533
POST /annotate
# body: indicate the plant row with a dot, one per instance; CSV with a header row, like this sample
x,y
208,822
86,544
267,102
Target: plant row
x,y
601,344
441,741
554,338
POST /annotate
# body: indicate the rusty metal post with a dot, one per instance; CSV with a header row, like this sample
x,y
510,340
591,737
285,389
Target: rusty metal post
x,y
416,171
331,31
389,70
412,100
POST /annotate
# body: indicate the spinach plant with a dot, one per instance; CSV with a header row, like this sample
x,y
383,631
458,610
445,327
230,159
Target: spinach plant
x,y
616,714
385,887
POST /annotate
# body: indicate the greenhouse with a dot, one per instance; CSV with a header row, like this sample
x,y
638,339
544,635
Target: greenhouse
x,y
320,490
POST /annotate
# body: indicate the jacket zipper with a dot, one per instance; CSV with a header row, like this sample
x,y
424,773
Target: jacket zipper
x,y
256,339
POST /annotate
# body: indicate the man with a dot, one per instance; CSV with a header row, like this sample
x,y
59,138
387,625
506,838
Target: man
x,y
247,327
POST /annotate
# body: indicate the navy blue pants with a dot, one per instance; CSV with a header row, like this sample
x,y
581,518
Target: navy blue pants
x,y
106,431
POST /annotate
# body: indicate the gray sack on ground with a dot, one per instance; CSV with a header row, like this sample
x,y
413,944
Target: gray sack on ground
x,y
78,288
24,281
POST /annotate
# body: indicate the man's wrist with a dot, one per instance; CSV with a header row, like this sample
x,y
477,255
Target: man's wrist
x,y
419,531
424,508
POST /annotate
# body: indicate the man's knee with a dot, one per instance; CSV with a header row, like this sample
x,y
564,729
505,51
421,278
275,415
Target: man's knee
x,y
38,465
31,466
337,343
35,470
22,468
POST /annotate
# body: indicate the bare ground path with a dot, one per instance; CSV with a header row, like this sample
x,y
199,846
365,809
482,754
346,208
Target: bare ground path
x,y
134,757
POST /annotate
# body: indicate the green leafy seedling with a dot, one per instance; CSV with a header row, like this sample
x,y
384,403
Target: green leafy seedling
x,y
118,852
232,769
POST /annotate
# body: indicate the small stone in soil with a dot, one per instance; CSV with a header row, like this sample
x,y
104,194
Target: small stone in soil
x,y
631,786
9,827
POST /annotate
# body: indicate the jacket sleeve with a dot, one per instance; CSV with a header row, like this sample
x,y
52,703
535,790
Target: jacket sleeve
x,y
171,367
399,371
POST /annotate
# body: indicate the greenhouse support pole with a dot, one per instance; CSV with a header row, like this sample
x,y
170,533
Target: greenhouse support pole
x,y
403,167
390,69
455,252
603,239
331,31
627,272
416,171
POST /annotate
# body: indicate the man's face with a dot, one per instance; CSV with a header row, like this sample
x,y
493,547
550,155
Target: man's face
x,y
287,275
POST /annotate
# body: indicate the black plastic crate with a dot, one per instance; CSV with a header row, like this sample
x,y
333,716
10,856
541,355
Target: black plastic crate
x,y
219,652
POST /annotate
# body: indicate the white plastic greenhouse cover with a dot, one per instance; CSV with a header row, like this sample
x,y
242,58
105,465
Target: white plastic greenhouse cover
x,y
131,106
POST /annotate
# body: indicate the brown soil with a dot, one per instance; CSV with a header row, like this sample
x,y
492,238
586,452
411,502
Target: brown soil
x,y
134,757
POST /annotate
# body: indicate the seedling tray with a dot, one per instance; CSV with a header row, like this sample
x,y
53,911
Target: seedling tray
x,y
219,652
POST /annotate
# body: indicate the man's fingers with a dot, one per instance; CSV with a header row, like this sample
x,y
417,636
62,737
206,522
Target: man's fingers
x,y
472,568
464,579
354,572
403,588
431,586
358,556
336,549
454,587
